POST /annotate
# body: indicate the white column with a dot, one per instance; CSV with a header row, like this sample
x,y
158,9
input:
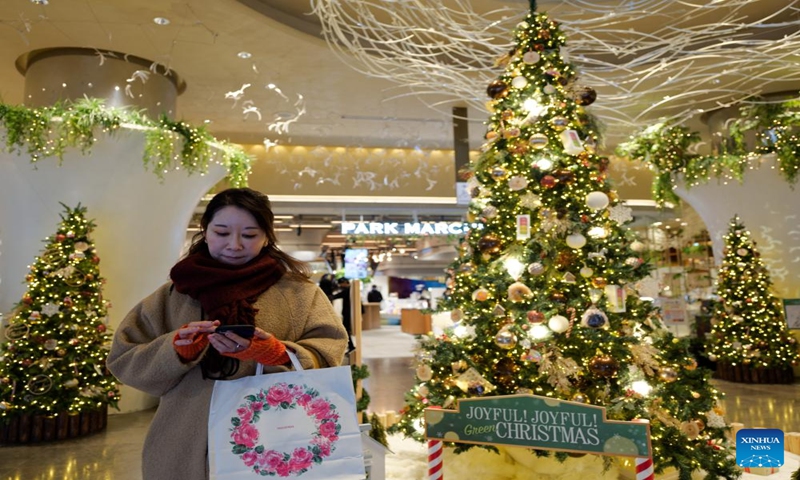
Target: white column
x,y
141,221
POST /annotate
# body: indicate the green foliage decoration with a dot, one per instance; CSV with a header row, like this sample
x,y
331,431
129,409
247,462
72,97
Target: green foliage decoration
x,y
669,148
46,132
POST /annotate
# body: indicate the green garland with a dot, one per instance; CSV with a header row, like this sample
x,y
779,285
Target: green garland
x,y
667,148
49,131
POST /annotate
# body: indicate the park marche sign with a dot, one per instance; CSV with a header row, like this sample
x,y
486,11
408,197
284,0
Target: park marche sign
x,y
408,228
538,422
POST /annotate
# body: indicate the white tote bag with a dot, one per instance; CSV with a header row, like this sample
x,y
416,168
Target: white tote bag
x,y
299,424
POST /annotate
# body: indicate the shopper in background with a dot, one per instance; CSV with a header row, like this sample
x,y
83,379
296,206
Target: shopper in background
x,y
374,295
347,320
327,283
167,346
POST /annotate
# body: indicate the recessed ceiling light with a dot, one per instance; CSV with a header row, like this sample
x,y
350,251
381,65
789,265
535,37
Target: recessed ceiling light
x,y
40,2
161,21
244,54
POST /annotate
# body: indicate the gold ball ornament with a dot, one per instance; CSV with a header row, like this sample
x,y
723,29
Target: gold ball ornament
x,y
692,365
559,123
489,243
499,173
580,398
668,374
603,366
505,338
506,372
599,282
538,141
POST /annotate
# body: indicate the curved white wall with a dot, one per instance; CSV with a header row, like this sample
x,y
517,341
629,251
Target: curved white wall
x,y
769,208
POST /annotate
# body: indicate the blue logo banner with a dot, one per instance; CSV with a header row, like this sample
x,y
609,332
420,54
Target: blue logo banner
x,y
759,447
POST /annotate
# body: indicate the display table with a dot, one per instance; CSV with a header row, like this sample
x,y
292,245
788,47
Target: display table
x,y
371,317
413,321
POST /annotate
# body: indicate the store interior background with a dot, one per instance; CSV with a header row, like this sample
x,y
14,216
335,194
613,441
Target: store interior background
x,y
335,145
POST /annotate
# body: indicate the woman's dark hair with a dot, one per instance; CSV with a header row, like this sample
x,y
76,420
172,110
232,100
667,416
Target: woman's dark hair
x,y
258,205
214,365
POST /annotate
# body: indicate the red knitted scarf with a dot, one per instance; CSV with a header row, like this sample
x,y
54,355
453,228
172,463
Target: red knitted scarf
x,y
226,292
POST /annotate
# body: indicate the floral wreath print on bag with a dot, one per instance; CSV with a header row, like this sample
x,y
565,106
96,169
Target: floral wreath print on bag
x,y
282,396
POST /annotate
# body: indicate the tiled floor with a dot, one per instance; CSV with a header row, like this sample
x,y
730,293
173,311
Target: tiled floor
x,y
115,453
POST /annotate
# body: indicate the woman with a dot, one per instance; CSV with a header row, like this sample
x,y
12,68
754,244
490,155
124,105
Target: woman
x,y
233,274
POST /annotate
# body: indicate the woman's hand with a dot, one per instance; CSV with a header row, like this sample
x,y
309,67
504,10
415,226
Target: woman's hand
x,y
229,342
186,334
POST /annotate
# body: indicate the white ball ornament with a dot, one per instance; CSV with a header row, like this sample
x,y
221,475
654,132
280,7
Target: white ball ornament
x,y
576,240
558,323
637,246
519,82
597,200
531,56
587,272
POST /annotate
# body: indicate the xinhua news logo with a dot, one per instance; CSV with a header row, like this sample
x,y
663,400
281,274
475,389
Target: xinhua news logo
x,y
759,447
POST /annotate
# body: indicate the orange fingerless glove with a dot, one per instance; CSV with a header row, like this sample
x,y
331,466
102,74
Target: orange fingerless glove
x,y
266,352
192,351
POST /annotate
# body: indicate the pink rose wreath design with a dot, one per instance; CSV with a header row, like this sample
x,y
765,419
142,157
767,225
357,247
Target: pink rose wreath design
x,y
282,396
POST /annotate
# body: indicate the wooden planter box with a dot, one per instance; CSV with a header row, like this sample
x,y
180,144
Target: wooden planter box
x,y
744,374
42,428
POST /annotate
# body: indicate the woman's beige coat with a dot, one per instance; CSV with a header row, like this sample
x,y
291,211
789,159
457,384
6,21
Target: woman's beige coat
x,y
297,312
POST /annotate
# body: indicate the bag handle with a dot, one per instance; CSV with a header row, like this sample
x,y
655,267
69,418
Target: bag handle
x,y
295,363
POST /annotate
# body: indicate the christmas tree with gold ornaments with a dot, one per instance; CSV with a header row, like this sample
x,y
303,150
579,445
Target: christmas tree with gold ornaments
x,y
749,334
57,339
543,293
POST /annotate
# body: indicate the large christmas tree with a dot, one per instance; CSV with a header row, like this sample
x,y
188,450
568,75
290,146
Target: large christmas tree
x,y
749,327
543,294
57,339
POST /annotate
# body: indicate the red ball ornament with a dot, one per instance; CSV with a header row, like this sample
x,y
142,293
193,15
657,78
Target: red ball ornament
x,y
27,300
60,237
548,181
101,328
95,259
535,316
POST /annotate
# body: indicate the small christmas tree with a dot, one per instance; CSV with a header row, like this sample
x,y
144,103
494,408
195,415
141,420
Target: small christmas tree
x,y
57,339
543,294
749,334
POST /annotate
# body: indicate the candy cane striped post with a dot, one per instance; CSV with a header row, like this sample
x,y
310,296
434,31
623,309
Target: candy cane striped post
x,y
435,466
644,468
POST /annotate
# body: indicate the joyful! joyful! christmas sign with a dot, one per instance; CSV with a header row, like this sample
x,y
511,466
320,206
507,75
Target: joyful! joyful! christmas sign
x,y
538,422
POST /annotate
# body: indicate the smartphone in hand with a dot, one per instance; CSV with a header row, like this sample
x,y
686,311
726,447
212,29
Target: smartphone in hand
x,y
244,331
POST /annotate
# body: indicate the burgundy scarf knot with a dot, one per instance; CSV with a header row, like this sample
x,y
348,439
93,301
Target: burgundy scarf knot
x,y
226,292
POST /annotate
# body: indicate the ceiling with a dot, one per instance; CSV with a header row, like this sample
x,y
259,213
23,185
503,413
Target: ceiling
x,y
647,59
